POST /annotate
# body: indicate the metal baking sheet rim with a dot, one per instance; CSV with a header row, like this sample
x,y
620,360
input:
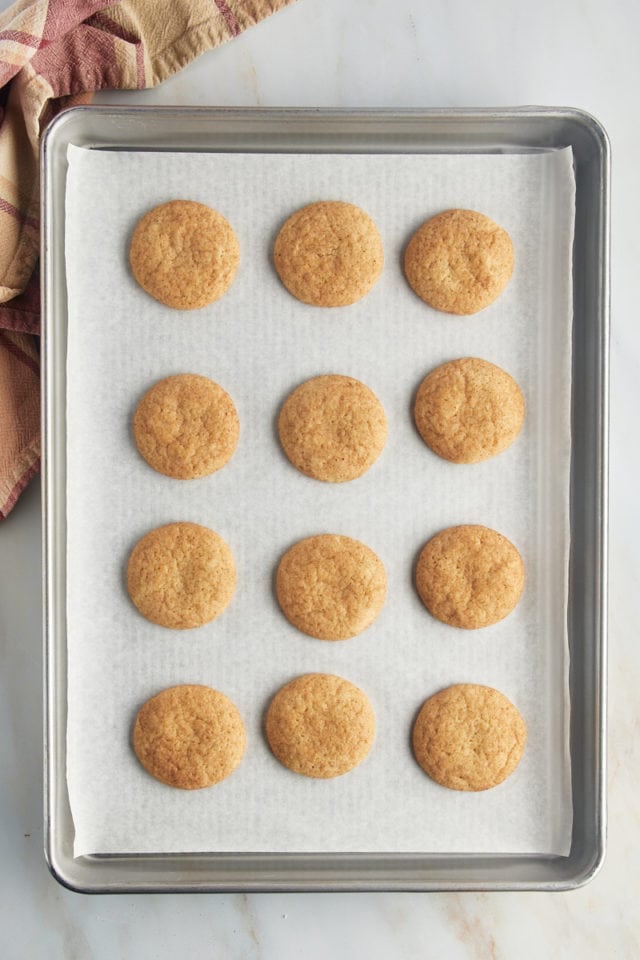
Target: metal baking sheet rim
x,y
337,130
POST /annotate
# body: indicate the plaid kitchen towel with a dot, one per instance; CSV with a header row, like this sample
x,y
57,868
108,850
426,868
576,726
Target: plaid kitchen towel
x,y
54,54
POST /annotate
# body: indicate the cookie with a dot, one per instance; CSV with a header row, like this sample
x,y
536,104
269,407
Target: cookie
x,y
331,587
459,261
469,737
469,576
468,410
181,575
184,254
189,736
186,426
320,725
328,254
332,428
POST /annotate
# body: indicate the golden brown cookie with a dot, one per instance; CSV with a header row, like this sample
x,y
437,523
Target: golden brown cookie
x,y
189,736
186,426
331,587
332,428
469,737
328,254
469,576
468,410
181,575
184,254
320,725
459,261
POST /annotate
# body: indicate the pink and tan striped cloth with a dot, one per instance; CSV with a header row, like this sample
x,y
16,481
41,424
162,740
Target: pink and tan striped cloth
x,y
54,54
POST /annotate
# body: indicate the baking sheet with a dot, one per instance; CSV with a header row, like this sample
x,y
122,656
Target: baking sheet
x,y
258,342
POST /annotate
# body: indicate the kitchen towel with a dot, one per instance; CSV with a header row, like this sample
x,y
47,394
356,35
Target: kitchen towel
x,y
55,54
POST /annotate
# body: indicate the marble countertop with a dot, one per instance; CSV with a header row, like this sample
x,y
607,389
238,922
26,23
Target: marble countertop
x,y
372,53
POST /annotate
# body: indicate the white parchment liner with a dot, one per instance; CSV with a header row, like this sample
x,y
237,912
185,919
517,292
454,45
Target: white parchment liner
x,y
258,343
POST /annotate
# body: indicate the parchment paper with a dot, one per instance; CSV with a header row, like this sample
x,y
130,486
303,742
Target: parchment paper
x,y
258,342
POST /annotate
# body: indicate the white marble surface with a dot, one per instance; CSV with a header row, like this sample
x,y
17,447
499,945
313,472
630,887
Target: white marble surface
x,y
372,53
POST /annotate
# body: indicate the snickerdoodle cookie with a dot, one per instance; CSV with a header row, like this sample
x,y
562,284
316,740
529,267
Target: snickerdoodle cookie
x,y
320,725
469,737
189,736
329,253
186,426
468,410
184,254
469,576
331,587
181,575
332,428
459,261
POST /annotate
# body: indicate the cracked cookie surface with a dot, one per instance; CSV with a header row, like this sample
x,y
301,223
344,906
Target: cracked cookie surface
x,y
184,254
189,736
181,575
186,426
469,576
320,725
332,428
329,253
331,587
468,410
459,261
469,737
